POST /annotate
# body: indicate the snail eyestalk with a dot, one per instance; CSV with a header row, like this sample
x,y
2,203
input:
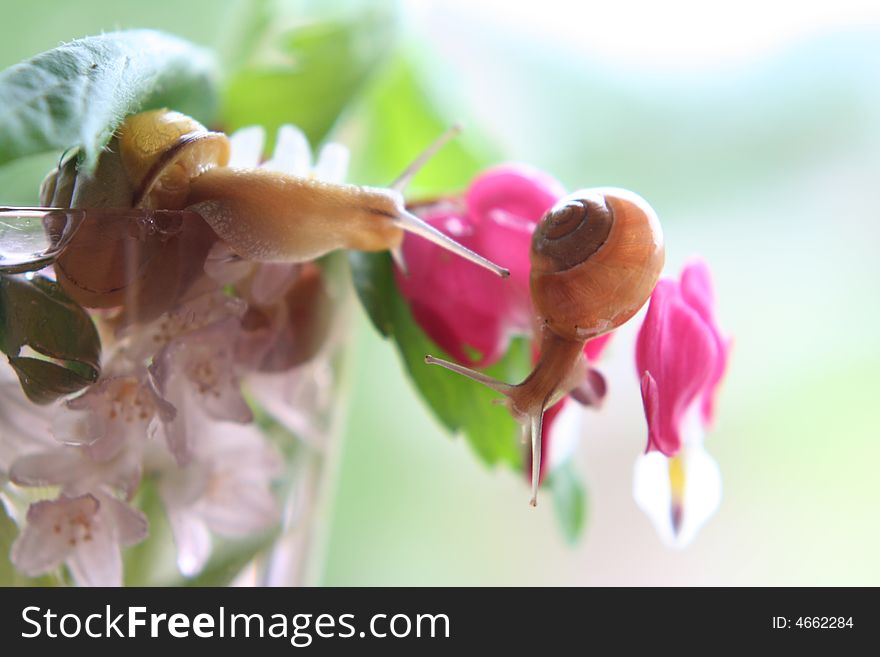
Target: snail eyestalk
x,y
404,178
537,422
527,401
412,224
473,375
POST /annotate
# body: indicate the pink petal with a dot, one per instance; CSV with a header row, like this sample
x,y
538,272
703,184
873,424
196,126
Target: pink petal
x,y
595,347
518,190
696,288
461,306
98,561
130,525
193,541
26,427
675,358
58,467
46,539
592,391
195,374
469,312
270,281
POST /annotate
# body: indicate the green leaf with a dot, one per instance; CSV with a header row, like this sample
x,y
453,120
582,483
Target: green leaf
x,y
9,576
77,94
459,404
403,119
305,75
64,347
569,500
373,278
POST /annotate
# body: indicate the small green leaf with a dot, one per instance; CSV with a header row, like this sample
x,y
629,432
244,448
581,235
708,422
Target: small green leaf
x,y
64,347
43,381
459,404
77,94
569,500
403,118
306,75
8,531
372,277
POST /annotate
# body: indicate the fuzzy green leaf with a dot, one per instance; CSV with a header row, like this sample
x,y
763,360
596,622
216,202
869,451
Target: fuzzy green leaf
x,y
77,94
305,75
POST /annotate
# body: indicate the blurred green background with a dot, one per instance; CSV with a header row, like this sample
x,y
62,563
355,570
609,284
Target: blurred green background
x,y
755,134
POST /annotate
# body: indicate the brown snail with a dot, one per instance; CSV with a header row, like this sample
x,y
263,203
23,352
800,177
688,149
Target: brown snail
x,y
271,216
134,246
162,194
595,258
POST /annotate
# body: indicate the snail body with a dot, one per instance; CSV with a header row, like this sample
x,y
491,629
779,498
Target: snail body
x,y
163,162
595,258
269,216
174,162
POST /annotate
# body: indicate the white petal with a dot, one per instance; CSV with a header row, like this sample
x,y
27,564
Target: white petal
x,y
45,540
702,493
246,147
223,266
193,542
130,525
332,163
97,562
24,426
653,494
292,153
58,467
271,280
242,509
565,433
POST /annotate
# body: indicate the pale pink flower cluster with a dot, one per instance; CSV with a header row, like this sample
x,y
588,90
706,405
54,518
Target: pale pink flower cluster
x,y
169,406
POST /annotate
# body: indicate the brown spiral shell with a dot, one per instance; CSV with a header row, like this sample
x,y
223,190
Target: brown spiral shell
x,y
596,256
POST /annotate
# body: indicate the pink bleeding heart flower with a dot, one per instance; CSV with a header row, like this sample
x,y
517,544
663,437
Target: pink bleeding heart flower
x,y
468,311
681,356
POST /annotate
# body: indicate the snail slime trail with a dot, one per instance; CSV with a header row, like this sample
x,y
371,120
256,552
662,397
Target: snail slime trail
x,y
595,258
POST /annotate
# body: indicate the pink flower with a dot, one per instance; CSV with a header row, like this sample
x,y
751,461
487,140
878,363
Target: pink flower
x,y
24,426
86,532
195,373
468,311
680,357
109,415
225,489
